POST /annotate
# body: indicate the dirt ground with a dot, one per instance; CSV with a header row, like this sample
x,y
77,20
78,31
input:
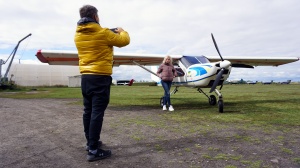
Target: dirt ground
x,y
49,133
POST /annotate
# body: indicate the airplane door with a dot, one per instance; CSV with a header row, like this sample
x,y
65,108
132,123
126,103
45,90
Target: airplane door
x,y
181,72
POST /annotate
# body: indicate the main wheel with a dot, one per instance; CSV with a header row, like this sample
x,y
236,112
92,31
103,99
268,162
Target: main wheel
x,y
161,101
212,100
220,104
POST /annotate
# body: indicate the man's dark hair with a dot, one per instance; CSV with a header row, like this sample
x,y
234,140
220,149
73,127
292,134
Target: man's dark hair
x,y
88,11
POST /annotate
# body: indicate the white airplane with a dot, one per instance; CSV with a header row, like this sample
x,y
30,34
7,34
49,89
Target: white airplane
x,y
193,71
251,82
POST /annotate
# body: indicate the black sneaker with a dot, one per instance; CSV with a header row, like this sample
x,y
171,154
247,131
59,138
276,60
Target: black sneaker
x,y
87,148
101,154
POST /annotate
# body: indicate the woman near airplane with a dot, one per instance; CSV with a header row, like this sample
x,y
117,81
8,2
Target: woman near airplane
x,y
167,72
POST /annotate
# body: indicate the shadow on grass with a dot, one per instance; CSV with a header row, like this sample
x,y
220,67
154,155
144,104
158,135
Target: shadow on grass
x,y
229,106
248,106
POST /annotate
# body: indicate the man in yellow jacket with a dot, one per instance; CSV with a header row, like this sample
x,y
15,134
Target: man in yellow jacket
x,y
95,52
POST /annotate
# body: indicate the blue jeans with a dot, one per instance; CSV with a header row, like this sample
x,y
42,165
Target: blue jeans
x,y
167,86
96,92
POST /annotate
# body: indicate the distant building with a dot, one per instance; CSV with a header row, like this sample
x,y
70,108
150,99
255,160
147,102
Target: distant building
x,y
44,75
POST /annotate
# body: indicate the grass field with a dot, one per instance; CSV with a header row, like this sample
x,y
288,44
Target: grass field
x,y
253,104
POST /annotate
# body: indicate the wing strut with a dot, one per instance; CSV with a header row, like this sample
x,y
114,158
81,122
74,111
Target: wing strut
x,y
144,68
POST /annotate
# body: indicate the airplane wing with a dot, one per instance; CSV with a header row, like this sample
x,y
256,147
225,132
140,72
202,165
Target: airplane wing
x,y
58,57
255,61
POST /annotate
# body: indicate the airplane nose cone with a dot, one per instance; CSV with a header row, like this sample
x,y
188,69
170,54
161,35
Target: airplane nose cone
x,y
225,64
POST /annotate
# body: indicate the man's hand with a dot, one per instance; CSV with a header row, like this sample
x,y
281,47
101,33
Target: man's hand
x,y
119,30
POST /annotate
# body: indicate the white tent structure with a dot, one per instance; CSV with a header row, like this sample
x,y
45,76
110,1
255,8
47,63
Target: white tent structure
x,y
42,75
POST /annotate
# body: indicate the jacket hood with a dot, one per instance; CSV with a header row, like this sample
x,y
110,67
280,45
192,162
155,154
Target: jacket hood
x,y
86,20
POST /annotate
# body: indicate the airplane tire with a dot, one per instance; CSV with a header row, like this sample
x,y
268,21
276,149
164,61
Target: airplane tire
x,y
220,105
161,102
212,100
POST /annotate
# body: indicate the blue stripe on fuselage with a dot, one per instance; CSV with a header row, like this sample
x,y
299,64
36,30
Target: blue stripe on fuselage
x,y
198,70
201,70
193,80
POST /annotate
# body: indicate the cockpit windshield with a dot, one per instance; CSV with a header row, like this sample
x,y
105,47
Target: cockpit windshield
x,y
191,60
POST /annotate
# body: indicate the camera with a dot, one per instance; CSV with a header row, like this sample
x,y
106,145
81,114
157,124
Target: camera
x,y
113,30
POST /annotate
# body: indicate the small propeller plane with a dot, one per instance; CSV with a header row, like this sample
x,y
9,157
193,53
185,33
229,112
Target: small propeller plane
x,y
193,71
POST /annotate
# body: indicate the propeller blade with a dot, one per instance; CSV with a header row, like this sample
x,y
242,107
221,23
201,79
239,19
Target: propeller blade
x,y
221,86
216,82
241,66
216,46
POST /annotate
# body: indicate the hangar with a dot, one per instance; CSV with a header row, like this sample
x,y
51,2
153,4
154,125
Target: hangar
x,y
42,75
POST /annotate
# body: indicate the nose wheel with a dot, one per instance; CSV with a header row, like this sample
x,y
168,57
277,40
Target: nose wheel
x,y
220,101
220,105
213,101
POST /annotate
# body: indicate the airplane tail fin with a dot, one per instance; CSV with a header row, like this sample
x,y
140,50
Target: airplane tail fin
x,y
131,82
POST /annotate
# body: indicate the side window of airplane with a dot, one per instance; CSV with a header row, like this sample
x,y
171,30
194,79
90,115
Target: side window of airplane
x,y
202,59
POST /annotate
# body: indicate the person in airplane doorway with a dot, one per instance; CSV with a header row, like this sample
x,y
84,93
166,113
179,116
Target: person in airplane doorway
x,y
167,72
95,52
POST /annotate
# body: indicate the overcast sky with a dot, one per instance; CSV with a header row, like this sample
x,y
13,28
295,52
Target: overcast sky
x,y
240,27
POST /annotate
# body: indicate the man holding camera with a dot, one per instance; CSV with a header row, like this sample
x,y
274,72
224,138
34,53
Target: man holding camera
x,y
95,52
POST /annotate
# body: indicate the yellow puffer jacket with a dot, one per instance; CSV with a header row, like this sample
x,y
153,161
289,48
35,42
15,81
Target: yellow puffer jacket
x,y
95,48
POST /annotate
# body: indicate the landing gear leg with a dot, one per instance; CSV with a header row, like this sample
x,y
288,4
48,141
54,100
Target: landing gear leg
x,y
212,100
174,91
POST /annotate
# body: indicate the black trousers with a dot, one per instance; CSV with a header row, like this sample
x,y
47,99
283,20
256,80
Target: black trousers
x,y
96,92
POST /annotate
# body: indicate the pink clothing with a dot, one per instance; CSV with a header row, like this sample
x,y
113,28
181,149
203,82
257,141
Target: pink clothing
x,y
166,72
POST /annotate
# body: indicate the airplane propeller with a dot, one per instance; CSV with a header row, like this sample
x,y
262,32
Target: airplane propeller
x,y
216,82
220,73
236,65
224,64
217,48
